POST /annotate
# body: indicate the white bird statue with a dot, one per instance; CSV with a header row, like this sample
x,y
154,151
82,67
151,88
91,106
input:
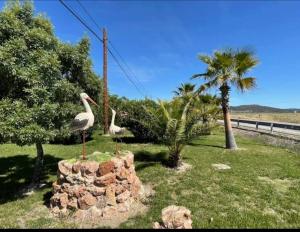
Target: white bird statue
x,y
113,129
84,120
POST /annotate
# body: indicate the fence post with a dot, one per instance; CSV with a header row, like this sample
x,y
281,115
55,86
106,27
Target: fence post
x,y
238,123
256,125
271,127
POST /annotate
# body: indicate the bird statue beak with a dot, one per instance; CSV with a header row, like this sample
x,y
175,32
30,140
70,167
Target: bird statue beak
x,y
92,101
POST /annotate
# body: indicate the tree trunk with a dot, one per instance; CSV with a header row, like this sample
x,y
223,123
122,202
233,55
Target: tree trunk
x,y
39,163
174,159
230,140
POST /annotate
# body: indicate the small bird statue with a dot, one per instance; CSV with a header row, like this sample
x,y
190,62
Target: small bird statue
x,y
113,129
84,120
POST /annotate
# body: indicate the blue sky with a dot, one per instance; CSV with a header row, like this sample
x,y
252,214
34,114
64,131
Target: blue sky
x,y
160,41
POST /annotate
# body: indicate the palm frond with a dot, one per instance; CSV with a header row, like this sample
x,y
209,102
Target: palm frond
x,y
246,83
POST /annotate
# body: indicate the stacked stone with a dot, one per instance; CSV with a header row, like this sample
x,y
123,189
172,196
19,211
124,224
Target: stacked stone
x,y
102,190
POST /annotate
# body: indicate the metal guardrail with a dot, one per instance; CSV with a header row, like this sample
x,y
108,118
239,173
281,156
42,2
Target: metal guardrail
x,y
272,125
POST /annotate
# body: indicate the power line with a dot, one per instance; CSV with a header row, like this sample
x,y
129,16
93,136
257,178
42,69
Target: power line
x,y
94,33
129,78
118,53
129,69
81,20
90,16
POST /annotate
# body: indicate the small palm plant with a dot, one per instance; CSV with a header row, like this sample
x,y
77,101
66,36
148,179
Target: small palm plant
x,y
225,69
186,89
176,123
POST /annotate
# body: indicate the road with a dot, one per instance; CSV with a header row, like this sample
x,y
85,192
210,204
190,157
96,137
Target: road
x,y
282,131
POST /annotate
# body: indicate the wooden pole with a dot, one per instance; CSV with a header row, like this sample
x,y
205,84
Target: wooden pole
x,y
105,90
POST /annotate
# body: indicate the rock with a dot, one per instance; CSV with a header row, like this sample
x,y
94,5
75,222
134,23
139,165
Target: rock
x,y
64,168
128,159
109,212
156,225
123,207
123,174
76,167
136,188
94,213
110,197
105,180
77,191
65,187
86,201
220,166
119,189
96,191
131,178
105,168
101,202
108,190
175,217
146,191
72,204
80,214
123,196
60,200
118,163
89,168
56,187
75,179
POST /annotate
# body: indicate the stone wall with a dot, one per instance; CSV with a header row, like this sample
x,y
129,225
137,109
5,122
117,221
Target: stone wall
x,y
96,190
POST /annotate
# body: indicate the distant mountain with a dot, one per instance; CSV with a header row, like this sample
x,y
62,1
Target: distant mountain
x,y
261,109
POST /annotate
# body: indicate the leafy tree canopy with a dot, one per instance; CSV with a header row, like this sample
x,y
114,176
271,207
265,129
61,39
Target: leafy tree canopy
x,y
40,77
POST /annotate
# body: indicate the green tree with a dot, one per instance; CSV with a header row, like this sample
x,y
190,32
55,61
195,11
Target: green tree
x,y
40,80
225,69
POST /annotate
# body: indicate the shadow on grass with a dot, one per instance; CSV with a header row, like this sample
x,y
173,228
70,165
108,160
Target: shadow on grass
x,y
16,173
206,145
148,159
129,139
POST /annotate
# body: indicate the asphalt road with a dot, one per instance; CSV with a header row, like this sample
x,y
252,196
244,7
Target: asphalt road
x,y
266,128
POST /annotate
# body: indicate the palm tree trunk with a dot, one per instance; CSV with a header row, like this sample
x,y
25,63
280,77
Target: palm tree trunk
x,y
174,158
230,140
39,163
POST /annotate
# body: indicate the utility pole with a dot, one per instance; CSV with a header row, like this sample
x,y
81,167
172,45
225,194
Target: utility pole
x,y
105,91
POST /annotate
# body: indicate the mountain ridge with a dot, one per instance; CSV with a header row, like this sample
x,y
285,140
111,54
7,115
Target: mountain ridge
x,y
255,108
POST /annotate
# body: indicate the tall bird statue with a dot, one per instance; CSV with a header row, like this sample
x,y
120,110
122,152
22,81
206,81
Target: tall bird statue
x,y
113,129
84,120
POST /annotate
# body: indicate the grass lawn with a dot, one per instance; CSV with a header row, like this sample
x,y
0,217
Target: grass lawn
x,y
262,189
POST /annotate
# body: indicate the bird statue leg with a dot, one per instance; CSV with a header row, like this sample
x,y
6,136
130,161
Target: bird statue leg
x,y
83,146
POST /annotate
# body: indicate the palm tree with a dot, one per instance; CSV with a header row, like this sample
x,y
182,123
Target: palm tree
x,y
184,90
176,123
228,68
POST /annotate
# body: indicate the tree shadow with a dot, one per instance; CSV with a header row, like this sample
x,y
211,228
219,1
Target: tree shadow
x,y
206,145
148,159
16,173
129,140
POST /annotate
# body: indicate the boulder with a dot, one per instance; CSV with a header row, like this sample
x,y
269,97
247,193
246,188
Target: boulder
x,y
64,168
97,191
105,180
123,196
128,159
105,168
76,167
110,195
89,168
86,201
220,166
175,217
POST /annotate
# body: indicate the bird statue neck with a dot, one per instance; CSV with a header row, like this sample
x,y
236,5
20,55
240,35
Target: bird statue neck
x,y
113,118
86,106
